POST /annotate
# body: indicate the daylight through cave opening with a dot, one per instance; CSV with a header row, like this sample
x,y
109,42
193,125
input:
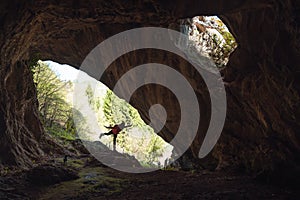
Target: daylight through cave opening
x,y
68,121
210,37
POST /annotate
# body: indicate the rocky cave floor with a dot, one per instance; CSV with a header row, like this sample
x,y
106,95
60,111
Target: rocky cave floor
x,y
83,177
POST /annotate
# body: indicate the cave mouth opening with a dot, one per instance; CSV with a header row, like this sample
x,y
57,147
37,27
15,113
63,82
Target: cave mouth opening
x,y
65,120
211,38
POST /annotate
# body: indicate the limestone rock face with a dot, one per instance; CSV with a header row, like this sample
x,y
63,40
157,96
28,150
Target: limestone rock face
x,y
50,174
262,76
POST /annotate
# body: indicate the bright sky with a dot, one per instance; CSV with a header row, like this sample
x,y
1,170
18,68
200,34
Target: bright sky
x,y
77,98
65,72
69,73
82,80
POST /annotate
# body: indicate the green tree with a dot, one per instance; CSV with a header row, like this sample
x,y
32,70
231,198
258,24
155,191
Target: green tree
x,y
108,107
154,150
90,94
220,48
212,38
146,146
77,124
55,111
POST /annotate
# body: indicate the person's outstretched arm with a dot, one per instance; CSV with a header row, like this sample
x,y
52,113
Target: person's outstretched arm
x,y
110,127
128,126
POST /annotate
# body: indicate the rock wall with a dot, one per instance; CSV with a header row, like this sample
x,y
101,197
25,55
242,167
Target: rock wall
x,y
262,78
262,124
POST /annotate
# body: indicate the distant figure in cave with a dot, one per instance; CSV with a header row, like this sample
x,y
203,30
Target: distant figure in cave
x,y
115,130
65,159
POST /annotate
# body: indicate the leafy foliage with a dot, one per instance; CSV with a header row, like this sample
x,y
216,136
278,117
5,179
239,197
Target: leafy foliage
x,y
212,38
55,111
58,116
138,140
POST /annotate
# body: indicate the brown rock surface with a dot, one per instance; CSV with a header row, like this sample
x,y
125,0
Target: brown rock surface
x,y
262,124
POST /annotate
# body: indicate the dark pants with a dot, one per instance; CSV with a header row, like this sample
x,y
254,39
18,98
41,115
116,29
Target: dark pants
x,y
115,138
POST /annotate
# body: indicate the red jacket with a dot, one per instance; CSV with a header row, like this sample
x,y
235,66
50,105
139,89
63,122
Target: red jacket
x,y
116,129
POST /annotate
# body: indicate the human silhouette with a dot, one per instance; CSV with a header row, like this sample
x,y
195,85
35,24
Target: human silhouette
x,y
65,159
115,130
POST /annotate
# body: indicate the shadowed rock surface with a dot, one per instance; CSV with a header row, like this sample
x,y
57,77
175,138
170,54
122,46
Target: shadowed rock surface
x,y
50,174
96,182
261,132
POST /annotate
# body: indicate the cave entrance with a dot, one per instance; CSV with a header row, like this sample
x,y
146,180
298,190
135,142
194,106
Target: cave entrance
x,y
211,38
55,87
